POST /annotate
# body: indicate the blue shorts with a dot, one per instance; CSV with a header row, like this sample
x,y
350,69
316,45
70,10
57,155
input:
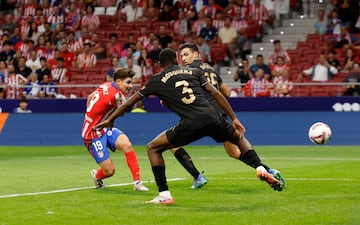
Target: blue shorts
x,y
98,148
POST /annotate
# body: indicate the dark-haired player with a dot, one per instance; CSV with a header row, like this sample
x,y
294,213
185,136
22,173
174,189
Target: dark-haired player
x,y
183,90
189,55
103,101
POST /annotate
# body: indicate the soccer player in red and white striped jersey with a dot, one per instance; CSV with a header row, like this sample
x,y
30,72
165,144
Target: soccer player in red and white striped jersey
x,y
12,83
102,102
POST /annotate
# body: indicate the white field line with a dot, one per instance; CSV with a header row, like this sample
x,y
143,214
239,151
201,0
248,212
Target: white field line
x,y
173,179
73,189
225,157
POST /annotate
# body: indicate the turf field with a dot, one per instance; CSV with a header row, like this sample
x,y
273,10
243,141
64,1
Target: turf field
x,y
52,185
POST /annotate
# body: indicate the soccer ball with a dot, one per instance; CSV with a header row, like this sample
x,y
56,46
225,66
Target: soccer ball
x,y
319,133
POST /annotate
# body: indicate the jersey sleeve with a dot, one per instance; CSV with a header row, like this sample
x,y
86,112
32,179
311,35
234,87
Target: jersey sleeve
x,y
199,74
149,88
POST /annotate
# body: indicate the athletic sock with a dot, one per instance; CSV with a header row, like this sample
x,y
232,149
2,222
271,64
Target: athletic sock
x,y
160,178
185,160
100,174
133,165
252,159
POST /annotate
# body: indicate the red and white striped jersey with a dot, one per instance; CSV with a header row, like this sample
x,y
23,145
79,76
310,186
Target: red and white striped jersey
x,y
259,85
91,21
104,101
218,23
49,55
239,24
258,13
29,10
12,82
47,11
86,60
60,75
282,87
56,19
210,12
24,28
279,68
74,46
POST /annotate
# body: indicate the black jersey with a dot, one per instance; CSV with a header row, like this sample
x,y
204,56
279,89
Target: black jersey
x,y
213,78
181,90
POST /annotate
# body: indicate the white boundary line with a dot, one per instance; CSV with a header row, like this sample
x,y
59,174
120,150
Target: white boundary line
x,y
74,189
172,179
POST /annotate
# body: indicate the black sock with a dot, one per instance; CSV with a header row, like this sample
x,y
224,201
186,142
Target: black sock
x,y
252,159
184,159
160,178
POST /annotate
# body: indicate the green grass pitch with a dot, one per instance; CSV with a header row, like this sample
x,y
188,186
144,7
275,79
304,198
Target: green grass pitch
x,y
52,185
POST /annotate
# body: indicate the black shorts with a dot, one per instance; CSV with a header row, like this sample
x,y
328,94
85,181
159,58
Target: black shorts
x,y
221,130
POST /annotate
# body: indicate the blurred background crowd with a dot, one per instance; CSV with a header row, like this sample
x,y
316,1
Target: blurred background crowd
x,y
64,48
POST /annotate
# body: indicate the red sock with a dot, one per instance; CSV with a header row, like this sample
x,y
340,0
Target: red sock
x,y
100,174
133,165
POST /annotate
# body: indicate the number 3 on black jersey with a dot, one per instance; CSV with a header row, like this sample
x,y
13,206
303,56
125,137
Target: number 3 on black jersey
x,y
186,90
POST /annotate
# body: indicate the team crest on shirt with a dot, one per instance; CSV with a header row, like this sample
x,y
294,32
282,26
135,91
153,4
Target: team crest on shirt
x,y
109,133
100,154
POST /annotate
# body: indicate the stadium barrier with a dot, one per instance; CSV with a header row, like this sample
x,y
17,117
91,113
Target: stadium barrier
x,y
243,104
263,128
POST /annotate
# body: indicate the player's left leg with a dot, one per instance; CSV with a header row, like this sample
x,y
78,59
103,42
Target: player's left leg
x,y
123,144
98,150
155,149
263,172
232,150
185,160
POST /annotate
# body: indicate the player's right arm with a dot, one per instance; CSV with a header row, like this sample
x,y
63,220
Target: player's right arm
x,y
225,105
224,90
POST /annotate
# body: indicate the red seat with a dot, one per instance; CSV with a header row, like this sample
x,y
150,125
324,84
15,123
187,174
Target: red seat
x,y
157,24
79,79
147,25
319,91
299,91
218,52
304,45
252,29
337,90
311,54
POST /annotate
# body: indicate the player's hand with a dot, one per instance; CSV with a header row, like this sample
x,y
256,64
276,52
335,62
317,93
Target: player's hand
x,y
239,128
103,124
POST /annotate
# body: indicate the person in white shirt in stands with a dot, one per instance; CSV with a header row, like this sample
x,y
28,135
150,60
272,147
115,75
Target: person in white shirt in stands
x,y
132,11
322,71
33,62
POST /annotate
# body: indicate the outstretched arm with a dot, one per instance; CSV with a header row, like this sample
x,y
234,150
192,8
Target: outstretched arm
x,y
119,111
225,105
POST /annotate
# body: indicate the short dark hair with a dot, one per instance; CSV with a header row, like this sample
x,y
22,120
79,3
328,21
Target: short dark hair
x,y
167,57
193,47
276,42
123,73
42,58
113,35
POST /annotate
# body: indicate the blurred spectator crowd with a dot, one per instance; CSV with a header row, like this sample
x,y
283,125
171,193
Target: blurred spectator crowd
x,y
51,45
330,54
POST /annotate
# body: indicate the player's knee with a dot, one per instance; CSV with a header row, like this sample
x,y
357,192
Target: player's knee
x,y
109,171
235,155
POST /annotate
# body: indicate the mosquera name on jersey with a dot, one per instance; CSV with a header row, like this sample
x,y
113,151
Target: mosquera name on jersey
x,y
105,99
174,73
